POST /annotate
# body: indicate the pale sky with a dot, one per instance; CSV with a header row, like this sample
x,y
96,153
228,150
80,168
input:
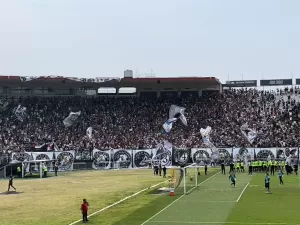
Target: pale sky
x,y
102,38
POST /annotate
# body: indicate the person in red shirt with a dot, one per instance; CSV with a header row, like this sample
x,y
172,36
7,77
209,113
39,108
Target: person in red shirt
x,y
84,209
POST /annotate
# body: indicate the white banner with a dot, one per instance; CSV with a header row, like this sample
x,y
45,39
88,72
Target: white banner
x,y
122,158
65,160
162,156
201,155
142,158
181,156
43,156
265,153
101,159
224,156
243,154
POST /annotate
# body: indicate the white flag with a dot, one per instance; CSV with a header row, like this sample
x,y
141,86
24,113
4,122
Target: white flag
x,y
69,121
249,133
89,132
20,113
177,110
205,133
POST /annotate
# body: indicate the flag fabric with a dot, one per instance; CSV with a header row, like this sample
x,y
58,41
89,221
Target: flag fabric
x,y
175,113
69,121
20,113
205,133
89,132
250,134
167,126
177,110
167,146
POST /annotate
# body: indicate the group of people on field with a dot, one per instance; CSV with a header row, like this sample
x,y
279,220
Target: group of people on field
x,y
266,166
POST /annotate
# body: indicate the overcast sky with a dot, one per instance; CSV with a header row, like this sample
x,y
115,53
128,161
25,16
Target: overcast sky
x,y
102,38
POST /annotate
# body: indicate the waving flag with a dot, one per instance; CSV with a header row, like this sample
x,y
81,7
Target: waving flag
x,y
205,133
178,112
69,121
89,132
249,133
20,113
175,113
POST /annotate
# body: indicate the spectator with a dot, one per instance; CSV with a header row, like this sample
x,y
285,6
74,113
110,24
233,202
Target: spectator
x,y
130,122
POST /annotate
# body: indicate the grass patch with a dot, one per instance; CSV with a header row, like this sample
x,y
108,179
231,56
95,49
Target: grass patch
x,y
57,200
137,210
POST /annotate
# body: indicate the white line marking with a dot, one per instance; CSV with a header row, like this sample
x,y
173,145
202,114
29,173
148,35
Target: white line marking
x,y
216,201
118,202
186,222
242,192
177,200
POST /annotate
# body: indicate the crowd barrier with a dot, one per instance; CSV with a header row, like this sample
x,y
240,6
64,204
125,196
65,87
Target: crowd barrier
x,y
128,158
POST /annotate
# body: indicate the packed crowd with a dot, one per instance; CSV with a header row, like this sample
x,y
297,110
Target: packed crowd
x,y
129,122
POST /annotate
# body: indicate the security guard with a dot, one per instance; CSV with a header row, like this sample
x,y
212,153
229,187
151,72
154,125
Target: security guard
x,y
19,171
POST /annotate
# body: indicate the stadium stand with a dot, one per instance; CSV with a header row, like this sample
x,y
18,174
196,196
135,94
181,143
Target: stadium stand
x,y
135,122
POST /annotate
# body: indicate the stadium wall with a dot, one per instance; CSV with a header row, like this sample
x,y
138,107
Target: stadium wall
x,y
128,158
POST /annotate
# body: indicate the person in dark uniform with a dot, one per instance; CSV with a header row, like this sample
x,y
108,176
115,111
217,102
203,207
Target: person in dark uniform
x,y
267,183
296,168
155,170
231,166
10,183
272,168
56,168
280,175
287,168
250,168
164,169
205,168
223,168
159,169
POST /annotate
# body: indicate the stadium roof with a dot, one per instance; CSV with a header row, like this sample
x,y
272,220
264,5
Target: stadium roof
x,y
73,82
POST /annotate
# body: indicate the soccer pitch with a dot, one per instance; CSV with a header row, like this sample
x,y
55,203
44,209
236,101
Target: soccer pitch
x,y
57,200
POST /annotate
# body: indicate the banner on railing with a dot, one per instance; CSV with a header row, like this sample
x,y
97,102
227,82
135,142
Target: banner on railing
x,y
127,158
181,156
101,159
142,158
64,159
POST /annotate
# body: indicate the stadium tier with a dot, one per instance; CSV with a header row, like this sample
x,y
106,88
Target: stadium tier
x,y
31,121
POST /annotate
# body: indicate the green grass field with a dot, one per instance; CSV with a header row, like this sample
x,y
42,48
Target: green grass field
x,y
57,200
